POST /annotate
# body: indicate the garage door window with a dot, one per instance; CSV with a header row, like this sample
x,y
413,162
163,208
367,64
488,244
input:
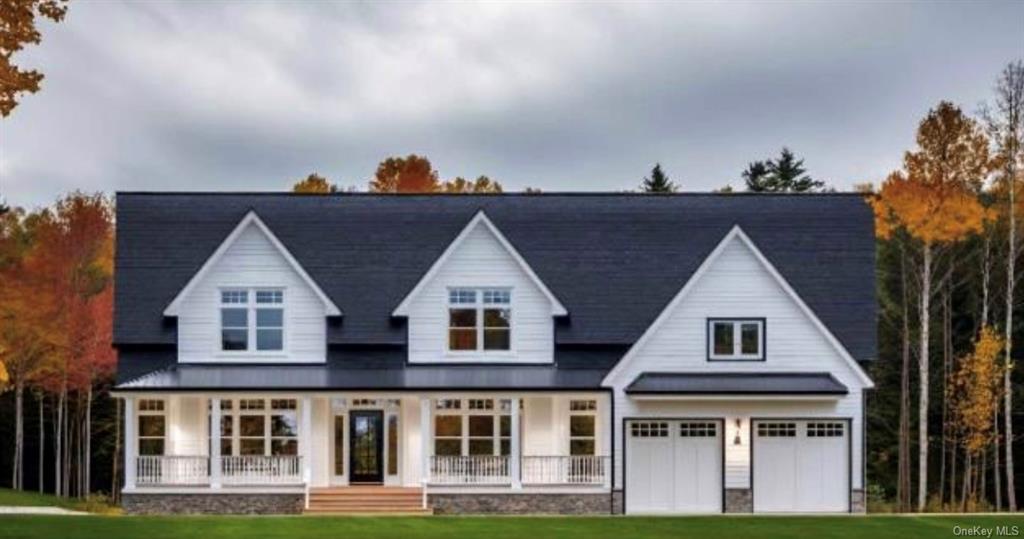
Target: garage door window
x,y
698,430
649,429
825,430
776,430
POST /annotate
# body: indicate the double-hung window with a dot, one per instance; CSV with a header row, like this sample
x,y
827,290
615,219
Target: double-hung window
x,y
479,319
736,339
264,427
474,427
252,320
152,427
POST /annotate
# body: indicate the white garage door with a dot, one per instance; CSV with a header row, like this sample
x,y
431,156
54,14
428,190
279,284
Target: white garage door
x,y
673,466
801,466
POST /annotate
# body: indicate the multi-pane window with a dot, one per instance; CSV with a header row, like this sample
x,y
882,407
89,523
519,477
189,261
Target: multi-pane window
x,y
648,429
736,339
481,427
698,429
479,319
152,427
776,430
582,427
252,320
259,427
831,429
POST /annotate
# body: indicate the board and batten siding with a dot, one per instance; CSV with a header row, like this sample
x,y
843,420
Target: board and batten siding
x,y
252,261
481,261
737,285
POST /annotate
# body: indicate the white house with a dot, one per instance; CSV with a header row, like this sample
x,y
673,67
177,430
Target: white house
x,y
564,353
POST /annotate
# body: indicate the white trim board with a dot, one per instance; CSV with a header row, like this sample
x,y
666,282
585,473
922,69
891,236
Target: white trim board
x,y
736,233
557,309
250,218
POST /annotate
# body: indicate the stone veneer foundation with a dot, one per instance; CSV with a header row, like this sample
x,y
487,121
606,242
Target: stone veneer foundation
x,y
739,500
208,503
522,503
858,502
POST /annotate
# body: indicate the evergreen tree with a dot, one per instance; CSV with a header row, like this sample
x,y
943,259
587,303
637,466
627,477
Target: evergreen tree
x,y
786,174
659,182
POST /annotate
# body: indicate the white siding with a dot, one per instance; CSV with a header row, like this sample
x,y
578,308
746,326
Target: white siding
x,y
252,261
481,261
738,285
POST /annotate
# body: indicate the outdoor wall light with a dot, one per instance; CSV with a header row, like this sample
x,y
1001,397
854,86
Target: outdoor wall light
x,y
739,426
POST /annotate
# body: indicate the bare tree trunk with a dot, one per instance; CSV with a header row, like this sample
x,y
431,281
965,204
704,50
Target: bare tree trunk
x,y
948,440
17,481
922,366
58,453
983,477
903,482
997,482
42,441
966,484
88,442
1011,496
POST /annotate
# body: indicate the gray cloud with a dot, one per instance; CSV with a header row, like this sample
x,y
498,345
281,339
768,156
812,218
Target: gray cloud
x,y
567,96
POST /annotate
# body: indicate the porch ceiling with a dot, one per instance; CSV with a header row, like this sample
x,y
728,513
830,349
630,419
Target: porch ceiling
x,y
323,377
737,384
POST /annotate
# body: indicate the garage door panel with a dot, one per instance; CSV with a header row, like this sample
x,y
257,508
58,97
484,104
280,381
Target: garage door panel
x,y
674,466
801,466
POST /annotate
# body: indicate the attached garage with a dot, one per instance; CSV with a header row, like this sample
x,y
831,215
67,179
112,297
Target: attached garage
x,y
674,466
801,465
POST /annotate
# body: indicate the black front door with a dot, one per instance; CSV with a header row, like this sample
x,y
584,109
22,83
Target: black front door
x,y
366,437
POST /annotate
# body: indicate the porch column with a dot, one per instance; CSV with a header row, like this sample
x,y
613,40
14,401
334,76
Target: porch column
x,y
215,466
426,433
307,440
516,456
130,443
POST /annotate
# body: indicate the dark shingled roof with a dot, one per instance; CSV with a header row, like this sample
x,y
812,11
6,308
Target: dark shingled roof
x,y
323,377
754,383
613,260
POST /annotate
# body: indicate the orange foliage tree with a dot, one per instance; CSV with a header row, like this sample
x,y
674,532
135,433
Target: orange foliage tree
x,y
933,200
977,383
314,184
410,174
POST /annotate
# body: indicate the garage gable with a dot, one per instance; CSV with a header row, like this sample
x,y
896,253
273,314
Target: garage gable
x,y
737,281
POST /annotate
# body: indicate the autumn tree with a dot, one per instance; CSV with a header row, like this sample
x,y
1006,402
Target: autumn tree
x,y
933,200
314,184
658,182
18,29
976,397
1004,120
460,185
785,174
410,174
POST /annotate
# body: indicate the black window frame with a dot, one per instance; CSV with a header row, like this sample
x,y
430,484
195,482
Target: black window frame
x,y
709,339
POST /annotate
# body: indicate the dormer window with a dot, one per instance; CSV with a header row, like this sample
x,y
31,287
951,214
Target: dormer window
x,y
736,339
252,320
479,319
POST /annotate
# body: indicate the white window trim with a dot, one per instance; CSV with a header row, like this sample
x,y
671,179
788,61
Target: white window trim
x,y
235,413
464,412
139,413
737,339
251,307
479,306
597,425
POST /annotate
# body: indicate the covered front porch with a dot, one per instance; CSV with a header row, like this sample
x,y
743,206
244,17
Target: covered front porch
x,y
293,442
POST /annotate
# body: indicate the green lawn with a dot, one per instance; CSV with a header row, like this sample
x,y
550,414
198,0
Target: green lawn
x,y
117,527
31,499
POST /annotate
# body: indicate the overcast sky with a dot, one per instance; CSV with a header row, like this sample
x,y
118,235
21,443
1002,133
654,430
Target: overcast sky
x,y
568,96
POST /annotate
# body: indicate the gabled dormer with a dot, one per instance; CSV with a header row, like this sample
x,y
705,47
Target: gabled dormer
x,y
251,301
480,302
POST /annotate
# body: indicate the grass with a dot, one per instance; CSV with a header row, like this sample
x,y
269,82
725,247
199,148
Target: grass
x,y
746,527
16,498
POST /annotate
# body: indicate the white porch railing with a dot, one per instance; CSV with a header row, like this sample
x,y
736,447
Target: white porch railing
x,y
471,470
195,470
261,470
565,470
172,470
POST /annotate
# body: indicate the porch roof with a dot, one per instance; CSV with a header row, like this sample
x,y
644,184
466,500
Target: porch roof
x,y
736,383
324,377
